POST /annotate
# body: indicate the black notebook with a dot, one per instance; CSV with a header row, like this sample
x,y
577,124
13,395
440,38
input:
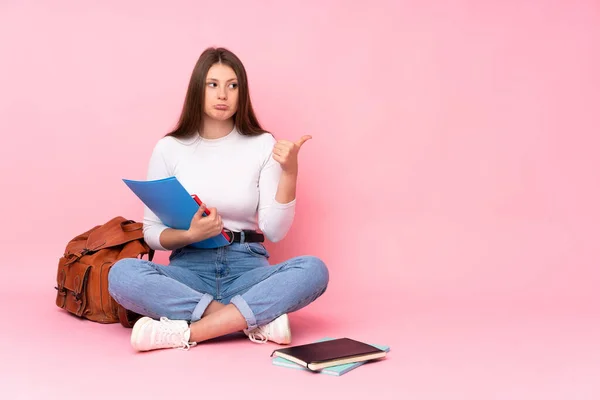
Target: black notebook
x,y
319,355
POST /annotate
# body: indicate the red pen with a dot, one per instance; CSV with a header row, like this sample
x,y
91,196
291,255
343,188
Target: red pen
x,y
206,213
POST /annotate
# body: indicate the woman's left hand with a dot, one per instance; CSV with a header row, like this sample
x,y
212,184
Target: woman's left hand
x,y
286,153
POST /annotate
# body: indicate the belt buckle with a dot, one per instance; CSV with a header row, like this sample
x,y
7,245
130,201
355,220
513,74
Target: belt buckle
x,y
230,233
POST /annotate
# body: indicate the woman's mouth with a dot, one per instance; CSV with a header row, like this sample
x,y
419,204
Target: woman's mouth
x,y
222,107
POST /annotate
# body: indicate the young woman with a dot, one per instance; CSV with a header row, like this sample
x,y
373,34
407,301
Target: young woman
x,y
220,152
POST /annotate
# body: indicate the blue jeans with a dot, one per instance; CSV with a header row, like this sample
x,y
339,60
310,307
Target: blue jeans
x,y
239,274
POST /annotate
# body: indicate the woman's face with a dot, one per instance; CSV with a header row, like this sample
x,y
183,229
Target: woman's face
x,y
220,92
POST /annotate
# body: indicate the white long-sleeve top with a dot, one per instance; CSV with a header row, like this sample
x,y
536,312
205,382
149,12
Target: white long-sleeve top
x,y
236,174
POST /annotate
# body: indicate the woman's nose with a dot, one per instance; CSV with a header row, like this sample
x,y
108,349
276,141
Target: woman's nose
x,y
222,94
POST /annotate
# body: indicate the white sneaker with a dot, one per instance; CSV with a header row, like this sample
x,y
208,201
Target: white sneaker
x,y
150,334
277,331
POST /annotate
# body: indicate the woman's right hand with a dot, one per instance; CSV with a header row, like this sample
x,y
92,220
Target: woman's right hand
x,y
202,228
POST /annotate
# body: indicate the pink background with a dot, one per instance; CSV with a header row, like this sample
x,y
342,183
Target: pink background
x,y
452,186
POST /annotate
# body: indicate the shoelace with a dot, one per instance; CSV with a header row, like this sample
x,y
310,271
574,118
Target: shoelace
x,y
170,333
258,336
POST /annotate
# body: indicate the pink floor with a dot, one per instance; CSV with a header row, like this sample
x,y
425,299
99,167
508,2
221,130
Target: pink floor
x,y
451,186
455,352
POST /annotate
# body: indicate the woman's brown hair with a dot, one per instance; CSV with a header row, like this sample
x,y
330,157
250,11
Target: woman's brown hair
x,y
190,120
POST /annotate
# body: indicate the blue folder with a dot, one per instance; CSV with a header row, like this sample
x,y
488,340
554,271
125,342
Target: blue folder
x,y
173,205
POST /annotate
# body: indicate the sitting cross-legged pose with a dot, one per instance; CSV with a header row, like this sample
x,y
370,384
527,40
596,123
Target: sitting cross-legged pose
x,y
248,179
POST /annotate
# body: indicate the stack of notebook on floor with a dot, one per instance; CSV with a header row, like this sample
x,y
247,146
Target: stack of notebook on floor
x,y
329,356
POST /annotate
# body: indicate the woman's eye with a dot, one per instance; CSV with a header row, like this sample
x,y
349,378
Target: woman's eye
x,y
212,84
233,85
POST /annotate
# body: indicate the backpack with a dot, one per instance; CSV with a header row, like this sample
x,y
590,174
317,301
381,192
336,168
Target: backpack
x,y
82,277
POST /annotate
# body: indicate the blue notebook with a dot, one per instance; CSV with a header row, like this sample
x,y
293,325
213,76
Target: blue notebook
x,y
338,370
173,205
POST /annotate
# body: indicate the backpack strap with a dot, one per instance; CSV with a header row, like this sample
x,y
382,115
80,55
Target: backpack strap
x,y
130,226
116,232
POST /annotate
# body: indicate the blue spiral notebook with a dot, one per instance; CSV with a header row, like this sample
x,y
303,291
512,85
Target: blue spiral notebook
x,y
338,370
173,205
